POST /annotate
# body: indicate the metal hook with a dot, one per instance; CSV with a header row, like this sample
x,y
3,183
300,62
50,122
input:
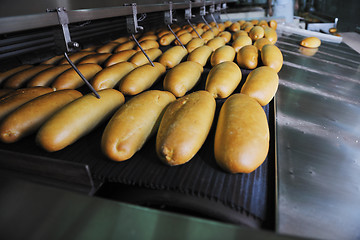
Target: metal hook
x,y
188,16
202,14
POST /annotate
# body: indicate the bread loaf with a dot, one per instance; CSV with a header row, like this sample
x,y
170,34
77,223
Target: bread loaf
x,y
141,78
173,56
216,42
71,80
223,79
182,78
271,56
46,77
222,54
77,119
242,135
28,118
240,42
140,59
247,57
261,84
184,127
15,99
118,57
194,44
8,73
134,123
200,55
311,42
109,77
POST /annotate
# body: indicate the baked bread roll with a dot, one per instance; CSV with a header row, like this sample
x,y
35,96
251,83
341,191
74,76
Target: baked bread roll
x,y
200,55
46,77
107,48
247,57
71,80
223,54
223,79
145,37
271,56
98,58
20,79
10,72
77,119
239,33
109,77
240,42
141,78
5,91
15,99
135,122
270,34
140,59
216,42
273,24
242,135
184,39
54,60
28,118
256,33
121,39
235,26
182,78
261,42
125,46
311,42
148,44
226,36
167,39
207,36
227,23
194,44
261,84
184,127
173,56
199,31
75,57
118,57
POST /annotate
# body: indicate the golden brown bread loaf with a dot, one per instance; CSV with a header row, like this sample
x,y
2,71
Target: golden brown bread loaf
x,y
148,37
173,56
54,60
141,78
182,78
15,99
242,135
98,58
167,39
10,72
77,119
28,118
216,42
273,24
261,42
118,57
226,36
270,34
199,31
247,57
46,77
223,79
71,80
311,42
234,27
194,44
261,84
200,55
140,59
20,79
125,46
222,54
135,121
184,127
75,57
148,44
184,39
107,48
240,42
121,39
271,56
239,33
109,77
256,33
207,36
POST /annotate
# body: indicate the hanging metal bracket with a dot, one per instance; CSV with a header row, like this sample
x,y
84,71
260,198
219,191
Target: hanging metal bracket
x,y
212,10
203,13
188,16
64,42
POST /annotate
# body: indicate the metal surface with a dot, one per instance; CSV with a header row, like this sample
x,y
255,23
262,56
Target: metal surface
x,y
318,141
40,19
33,211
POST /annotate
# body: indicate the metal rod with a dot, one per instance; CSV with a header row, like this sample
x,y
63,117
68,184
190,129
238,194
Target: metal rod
x,y
133,36
176,36
82,76
212,15
206,23
193,28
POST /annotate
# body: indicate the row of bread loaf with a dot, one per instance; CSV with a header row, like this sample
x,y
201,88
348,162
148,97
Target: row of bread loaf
x,y
221,71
